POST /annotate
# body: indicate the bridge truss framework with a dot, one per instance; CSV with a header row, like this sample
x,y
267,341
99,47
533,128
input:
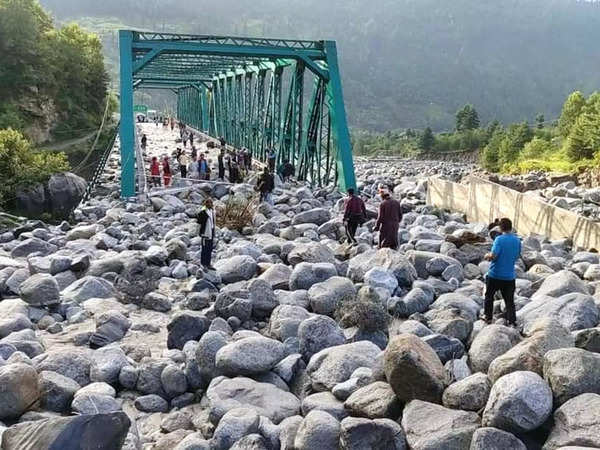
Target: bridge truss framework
x,y
251,91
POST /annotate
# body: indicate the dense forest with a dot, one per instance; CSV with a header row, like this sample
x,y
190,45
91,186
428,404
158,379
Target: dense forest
x,y
405,63
53,86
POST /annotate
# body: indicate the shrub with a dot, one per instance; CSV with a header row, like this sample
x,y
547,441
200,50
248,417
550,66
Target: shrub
x,y
20,165
237,213
367,312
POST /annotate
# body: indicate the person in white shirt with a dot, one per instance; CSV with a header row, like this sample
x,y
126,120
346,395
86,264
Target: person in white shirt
x,y
207,222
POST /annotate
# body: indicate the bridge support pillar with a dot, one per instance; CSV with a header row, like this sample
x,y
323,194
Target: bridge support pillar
x,y
126,130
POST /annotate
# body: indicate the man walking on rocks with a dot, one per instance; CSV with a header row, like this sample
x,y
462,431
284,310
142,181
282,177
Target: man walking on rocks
x,y
265,186
355,214
221,164
501,274
388,221
207,221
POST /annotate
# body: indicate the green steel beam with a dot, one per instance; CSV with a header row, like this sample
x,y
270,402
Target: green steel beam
x,y
341,135
126,127
233,87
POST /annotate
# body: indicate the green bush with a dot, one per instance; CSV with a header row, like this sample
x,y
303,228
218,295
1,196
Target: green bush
x,y
20,165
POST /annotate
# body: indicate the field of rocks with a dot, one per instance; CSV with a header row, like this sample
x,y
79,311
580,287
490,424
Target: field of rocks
x,y
113,336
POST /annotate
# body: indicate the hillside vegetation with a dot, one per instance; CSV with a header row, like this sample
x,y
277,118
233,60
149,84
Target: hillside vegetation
x,y
53,83
405,63
53,87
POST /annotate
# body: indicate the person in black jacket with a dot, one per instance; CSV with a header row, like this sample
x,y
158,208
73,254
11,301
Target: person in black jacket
x,y
265,185
221,164
207,222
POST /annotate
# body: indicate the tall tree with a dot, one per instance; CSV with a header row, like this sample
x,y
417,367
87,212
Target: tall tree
x,y
427,140
570,111
539,120
467,118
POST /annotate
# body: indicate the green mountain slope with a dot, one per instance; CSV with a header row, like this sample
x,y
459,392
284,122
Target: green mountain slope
x,y
408,63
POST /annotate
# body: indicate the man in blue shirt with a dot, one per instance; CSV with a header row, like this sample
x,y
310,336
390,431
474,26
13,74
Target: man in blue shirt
x,y
501,274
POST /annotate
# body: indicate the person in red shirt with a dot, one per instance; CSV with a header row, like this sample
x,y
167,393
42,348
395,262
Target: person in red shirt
x,y
166,171
388,221
355,215
155,171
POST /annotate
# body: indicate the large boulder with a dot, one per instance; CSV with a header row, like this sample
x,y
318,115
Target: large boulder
x,y
561,283
571,372
576,423
40,289
318,430
72,363
488,438
285,321
384,258
546,335
491,342
470,393
374,401
429,426
224,394
325,297
317,333
234,425
19,389
379,434
430,263
413,369
237,268
89,287
186,326
97,431
519,402
278,276
574,311
334,365
307,274
56,391
310,252
317,215
248,356
65,191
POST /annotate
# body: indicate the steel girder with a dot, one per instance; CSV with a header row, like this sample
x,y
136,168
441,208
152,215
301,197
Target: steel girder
x,y
233,87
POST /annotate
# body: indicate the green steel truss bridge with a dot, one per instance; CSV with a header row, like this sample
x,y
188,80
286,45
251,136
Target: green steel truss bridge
x,y
257,93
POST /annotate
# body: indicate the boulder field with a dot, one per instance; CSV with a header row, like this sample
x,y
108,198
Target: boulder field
x,y
112,335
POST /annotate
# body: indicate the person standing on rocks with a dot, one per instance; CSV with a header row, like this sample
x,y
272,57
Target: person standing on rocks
x,y
155,171
144,141
183,161
166,171
388,221
221,164
207,222
265,186
355,214
203,167
272,159
501,275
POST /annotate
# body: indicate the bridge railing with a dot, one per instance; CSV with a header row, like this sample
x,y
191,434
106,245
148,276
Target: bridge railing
x,y
100,166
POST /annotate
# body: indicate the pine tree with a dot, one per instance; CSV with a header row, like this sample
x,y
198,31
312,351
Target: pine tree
x,y
467,118
571,110
539,120
427,140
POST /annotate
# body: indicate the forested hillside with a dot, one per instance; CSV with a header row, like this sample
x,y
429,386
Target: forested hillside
x,y
52,80
408,63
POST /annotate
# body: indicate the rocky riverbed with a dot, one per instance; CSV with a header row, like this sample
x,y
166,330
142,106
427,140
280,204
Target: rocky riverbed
x,y
577,193
111,333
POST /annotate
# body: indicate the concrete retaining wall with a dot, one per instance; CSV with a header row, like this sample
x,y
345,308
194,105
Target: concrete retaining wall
x,y
483,201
